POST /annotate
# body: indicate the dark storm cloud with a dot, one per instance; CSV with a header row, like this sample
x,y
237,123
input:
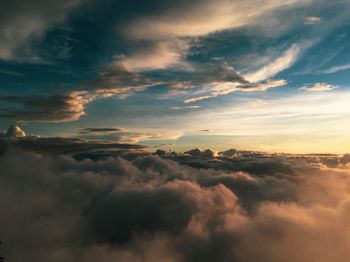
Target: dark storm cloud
x,y
153,209
42,108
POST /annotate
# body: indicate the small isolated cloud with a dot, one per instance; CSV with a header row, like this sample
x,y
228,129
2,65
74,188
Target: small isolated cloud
x,y
319,87
195,99
184,107
258,103
312,20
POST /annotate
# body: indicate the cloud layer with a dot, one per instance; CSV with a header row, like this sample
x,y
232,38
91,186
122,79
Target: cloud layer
x,y
153,209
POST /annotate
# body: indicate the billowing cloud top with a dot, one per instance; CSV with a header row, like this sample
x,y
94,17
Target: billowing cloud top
x,y
249,206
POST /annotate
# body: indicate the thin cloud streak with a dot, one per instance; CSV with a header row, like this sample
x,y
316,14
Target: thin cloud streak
x,y
225,88
286,60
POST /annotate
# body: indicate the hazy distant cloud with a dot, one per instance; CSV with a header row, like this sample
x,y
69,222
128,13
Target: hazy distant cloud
x,y
312,20
128,136
319,87
134,138
258,103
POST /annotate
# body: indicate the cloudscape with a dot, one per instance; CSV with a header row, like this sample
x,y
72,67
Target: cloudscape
x,y
179,131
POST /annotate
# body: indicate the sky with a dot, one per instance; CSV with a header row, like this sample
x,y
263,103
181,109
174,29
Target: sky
x,y
259,75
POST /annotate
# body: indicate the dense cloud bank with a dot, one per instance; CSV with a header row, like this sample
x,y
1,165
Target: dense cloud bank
x,y
154,209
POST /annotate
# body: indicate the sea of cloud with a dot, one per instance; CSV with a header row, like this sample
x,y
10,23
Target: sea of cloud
x,y
148,208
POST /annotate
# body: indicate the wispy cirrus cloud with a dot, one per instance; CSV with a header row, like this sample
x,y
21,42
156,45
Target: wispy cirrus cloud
x,y
335,69
225,88
275,66
257,80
